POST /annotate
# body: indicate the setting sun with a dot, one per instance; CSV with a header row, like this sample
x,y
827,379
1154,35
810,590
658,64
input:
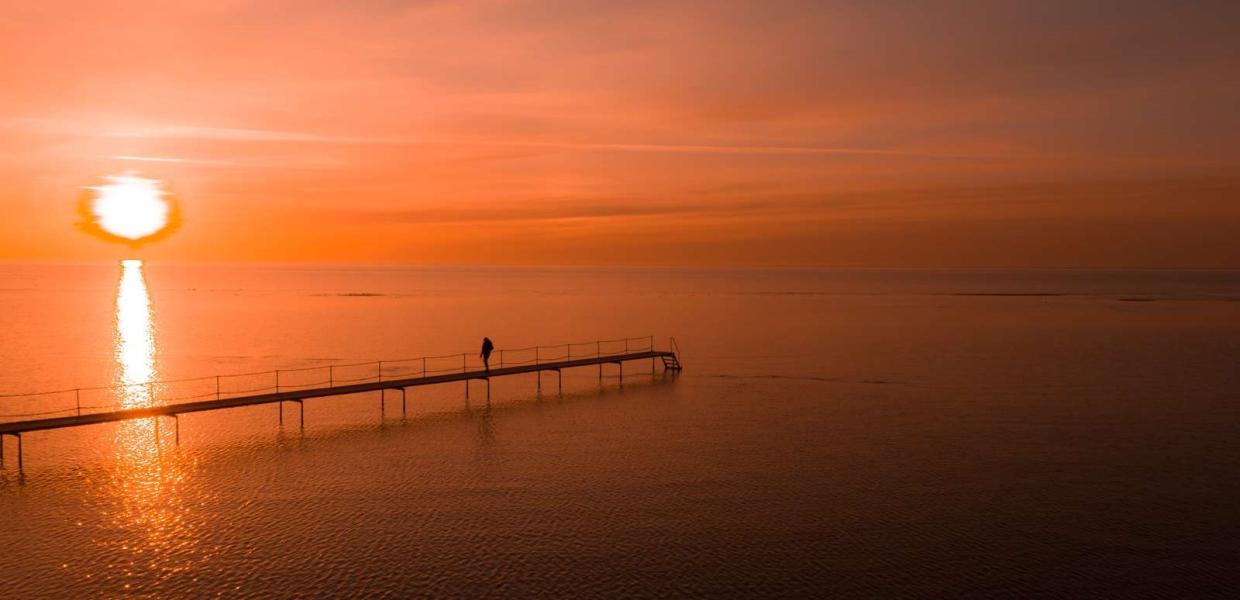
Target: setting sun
x,y
130,207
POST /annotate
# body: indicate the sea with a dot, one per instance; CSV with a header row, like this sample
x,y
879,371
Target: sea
x,y
875,433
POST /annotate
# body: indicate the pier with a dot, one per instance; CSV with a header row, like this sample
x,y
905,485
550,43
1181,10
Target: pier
x,y
634,349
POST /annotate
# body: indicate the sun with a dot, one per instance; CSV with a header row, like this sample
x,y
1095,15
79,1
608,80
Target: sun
x,y
130,207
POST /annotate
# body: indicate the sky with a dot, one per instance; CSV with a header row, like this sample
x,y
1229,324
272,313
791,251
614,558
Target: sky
x,y
531,132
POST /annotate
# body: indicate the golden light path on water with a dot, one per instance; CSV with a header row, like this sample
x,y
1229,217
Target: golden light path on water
x,y
145,495
135,336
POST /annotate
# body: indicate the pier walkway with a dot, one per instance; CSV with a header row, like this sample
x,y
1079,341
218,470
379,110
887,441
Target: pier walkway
x,y
538,365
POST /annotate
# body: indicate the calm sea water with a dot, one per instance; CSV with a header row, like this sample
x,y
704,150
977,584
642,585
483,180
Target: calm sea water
x,y
834,433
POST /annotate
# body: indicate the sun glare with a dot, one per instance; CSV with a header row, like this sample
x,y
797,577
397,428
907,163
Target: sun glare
x,y
135,335
130,207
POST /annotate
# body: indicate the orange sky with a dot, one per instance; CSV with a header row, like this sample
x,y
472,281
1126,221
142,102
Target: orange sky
x,y
632,132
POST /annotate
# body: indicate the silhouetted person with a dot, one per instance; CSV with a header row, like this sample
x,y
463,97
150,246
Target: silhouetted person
x,y
487,347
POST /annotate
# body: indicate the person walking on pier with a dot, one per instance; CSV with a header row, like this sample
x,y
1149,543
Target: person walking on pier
x,y
487,347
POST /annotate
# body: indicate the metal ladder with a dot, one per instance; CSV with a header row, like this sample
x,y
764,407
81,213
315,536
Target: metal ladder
x,y
672,362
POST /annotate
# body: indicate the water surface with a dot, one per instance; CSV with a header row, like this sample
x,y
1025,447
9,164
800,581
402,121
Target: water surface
x,y
851,432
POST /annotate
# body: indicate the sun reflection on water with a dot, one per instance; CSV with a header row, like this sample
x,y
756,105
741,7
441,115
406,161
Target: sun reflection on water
x,y
146,493
135,336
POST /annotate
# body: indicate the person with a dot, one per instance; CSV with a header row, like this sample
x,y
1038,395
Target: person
x,y
487,347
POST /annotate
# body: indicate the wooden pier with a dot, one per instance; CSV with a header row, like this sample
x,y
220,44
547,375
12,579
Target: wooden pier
x,y
668,357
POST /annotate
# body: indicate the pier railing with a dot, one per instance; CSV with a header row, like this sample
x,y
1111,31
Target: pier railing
x,y
86,400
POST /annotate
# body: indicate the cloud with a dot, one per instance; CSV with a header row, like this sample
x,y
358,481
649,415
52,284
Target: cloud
x,y
190,132
174,160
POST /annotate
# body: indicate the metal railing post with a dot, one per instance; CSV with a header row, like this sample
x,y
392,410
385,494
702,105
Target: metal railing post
x,y
535,355
278,383
331,375
217,387
424,366
380,371
77,394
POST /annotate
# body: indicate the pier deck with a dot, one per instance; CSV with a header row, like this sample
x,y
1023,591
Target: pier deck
x,y
17,428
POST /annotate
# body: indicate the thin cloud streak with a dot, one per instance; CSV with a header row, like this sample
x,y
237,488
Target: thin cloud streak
x,y
714,149
295,163
168,159
233,134
263,135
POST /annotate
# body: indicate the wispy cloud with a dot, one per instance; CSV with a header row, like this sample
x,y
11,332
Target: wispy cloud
x,y
720,149
169,159
234,134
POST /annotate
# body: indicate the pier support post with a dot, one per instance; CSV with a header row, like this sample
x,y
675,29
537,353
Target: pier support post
x,y
559,380
21,469
467,389
176,425
382,402
281,403
402,403
301,412
488,389
539,382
